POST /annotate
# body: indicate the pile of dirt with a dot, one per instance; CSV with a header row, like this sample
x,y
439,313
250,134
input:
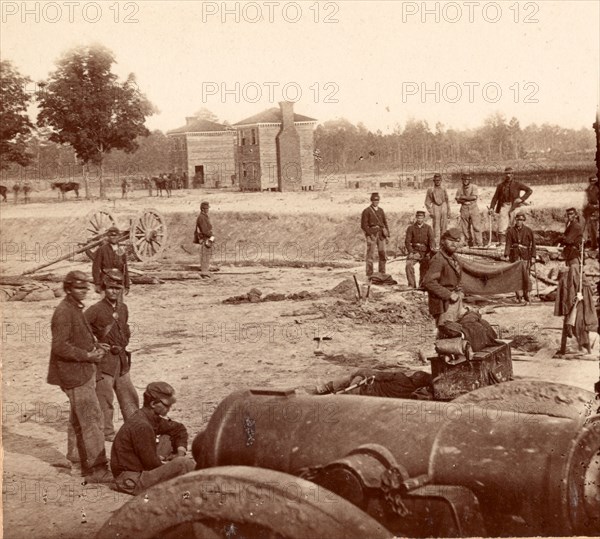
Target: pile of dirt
x,y
526,343
255,296
411,311
31,292
346,289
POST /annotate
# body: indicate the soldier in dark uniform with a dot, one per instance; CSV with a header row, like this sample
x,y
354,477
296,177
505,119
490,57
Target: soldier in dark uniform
x,y
135,460
571,239
507,198
590,212
520,245
442,280
109,321
203,235
73,360
111,255
374,224
420,245
26,191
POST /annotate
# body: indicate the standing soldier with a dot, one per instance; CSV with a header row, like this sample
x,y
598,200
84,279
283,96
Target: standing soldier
x,y
203,235
590,212
124,188
16,189
108,319
26,191
73,361
572,237
438,206
374,225
507,198
520,245
111,255
467,196
442,280
420,246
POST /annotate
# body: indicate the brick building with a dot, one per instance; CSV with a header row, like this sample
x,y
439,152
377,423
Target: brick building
x,y
274,150
205,150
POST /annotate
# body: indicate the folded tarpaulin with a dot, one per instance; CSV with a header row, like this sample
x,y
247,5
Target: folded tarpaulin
x,y
485,279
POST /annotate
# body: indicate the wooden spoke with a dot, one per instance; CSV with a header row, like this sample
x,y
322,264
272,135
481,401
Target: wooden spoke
x,y
148,234
97,223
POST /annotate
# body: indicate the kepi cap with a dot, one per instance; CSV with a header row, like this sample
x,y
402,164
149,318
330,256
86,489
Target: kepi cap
x,y
375,196
420,212
466,177
113,277
204,204
508,169
454,234
521,214
76,277
161,391
113,230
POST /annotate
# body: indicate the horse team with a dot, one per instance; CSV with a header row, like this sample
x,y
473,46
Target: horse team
x,y
162,182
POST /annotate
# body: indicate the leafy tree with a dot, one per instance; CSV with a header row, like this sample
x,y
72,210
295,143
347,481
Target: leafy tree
x,y
206,114
15,125
88,108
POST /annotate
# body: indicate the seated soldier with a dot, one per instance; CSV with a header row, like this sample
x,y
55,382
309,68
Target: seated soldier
x,y
398,384
134,460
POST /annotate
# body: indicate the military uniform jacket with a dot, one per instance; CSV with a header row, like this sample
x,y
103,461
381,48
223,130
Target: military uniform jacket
x,y
572,240
441,279
520,244
106,258
419,239
203,230
134,448
436,196
508,192
373,222
112,331
72,339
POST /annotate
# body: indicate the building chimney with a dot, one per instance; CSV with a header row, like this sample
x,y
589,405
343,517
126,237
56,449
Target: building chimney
x,y
289,169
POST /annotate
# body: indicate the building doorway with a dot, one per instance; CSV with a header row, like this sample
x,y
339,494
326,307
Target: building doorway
x,y
198,176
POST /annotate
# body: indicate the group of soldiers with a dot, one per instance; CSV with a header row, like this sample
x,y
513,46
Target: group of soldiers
x,y
90,362
434,248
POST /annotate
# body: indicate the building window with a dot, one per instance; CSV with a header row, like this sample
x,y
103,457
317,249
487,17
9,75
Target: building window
x,y
243,138
254,136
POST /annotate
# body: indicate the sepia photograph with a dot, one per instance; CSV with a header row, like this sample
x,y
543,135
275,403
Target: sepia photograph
x,y
299,269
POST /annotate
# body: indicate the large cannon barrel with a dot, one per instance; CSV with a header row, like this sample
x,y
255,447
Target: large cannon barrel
x,y
524,474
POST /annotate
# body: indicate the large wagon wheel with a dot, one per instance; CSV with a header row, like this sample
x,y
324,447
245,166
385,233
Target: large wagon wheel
x,y
148,234
239,501
97,222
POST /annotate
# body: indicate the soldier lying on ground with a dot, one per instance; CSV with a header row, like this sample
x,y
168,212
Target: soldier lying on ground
x,y
398,384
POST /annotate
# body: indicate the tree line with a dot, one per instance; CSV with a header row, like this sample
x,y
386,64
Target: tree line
x,y
91,124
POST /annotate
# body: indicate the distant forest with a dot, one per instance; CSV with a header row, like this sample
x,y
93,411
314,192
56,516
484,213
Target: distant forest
x,y
342,147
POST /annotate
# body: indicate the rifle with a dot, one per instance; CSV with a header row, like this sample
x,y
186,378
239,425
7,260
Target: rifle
x,y
365,381
572,318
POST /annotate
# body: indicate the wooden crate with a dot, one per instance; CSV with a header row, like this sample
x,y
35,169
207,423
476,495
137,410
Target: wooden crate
x,y
489,366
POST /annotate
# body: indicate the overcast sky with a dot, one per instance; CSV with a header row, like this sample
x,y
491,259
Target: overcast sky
x,y
376,62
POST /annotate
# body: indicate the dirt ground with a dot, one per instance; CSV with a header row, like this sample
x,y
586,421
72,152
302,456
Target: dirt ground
x,y
183,333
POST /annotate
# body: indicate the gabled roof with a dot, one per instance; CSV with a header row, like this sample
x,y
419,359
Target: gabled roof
x,y
200,126
272,116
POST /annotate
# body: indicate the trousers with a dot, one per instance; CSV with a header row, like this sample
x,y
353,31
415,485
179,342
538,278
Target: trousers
x,y
85,438
411,260
127,397
470,224
439,215
205,254
373,243
136,482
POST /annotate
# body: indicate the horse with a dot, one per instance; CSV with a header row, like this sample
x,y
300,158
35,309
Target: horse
x,y
162,183
3,191
65,187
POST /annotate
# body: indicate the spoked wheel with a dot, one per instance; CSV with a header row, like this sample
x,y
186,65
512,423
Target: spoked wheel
x,y
239,501
148,235
97,223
